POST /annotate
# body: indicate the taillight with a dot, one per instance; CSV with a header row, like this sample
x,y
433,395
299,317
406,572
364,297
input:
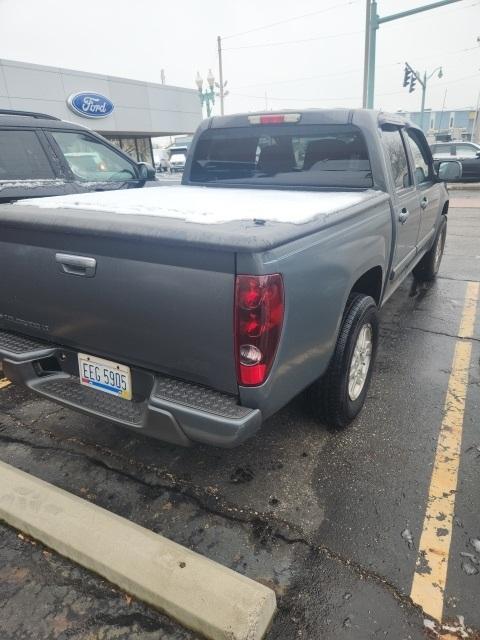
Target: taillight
x,y
259,309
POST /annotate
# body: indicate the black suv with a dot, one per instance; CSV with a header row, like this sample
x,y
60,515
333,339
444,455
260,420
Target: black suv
x,y
43,156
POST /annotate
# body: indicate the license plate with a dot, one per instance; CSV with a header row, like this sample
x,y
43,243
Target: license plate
x,y
104,375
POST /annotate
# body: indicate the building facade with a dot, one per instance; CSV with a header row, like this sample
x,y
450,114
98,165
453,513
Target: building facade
x,y
455,125
127,112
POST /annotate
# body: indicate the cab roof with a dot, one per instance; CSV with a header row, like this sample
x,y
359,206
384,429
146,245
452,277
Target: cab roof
x,y
339,116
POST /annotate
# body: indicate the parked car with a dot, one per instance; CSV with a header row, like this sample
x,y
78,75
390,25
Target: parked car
x,y
178,156
467,153
194,313
43,156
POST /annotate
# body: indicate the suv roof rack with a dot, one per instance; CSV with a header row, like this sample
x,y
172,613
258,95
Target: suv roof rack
x,y
31,114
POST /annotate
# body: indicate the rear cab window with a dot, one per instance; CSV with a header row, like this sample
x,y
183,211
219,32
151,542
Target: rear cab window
x,y
22,157
91,160
283,155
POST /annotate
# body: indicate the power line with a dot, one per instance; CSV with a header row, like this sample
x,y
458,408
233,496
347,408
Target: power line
x,y
355,70
304,78
447,53
243,95
274,44
287,20
305,15
339,99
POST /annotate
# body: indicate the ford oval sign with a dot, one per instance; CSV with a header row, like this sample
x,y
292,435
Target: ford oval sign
x,y
90,105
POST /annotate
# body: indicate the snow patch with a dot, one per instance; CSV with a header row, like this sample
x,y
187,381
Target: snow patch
x,y
206,205
30,184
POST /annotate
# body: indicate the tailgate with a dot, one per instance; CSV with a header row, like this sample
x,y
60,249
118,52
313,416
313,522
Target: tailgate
x,y
167,309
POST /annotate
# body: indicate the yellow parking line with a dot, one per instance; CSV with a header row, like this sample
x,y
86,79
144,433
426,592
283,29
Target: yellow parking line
x,y
4,383
430,575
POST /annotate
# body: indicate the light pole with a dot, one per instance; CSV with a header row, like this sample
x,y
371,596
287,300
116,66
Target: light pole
x,y
207,97
411,78
374,21
221,84
423,82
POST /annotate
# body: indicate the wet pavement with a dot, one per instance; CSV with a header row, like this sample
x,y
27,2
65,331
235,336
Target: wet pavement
x,y
331,520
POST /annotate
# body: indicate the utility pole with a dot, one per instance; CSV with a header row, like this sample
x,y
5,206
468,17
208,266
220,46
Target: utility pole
x,y
367,47
475,137
374,23
220,75
424,92
424,89
439,126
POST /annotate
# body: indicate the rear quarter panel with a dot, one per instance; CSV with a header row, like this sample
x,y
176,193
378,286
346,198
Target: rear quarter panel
x,y
319,272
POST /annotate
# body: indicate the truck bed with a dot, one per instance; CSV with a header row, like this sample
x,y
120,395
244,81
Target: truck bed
x,y
161,296
250,220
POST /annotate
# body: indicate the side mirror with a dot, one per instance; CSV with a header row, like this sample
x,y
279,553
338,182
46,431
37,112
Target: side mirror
x,y
449,171
478,154
146,171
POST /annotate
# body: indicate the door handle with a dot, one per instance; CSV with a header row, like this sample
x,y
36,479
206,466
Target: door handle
x,y
424,202
76,265
403,216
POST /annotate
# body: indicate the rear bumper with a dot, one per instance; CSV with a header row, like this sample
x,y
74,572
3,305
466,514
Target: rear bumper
x,y
175,411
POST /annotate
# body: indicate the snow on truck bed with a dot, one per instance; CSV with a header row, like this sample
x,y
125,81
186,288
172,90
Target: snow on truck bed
x,y
206,205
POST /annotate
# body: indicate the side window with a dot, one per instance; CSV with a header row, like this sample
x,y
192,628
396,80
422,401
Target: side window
x,y
421,163
22,156
396,156
91,160
443,150
466,151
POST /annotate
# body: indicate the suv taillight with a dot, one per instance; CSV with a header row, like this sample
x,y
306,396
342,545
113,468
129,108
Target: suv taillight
x,y
259,309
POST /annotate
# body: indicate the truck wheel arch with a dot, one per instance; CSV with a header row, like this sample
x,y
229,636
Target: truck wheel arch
x,y
370,283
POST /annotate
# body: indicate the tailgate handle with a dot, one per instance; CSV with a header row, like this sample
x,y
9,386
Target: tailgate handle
x,y
76,265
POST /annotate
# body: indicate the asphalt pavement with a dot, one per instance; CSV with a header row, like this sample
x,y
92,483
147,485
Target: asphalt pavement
x,y
332,521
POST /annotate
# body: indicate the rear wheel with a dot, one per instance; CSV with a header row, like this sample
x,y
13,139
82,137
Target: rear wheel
x,y
429,265
339,395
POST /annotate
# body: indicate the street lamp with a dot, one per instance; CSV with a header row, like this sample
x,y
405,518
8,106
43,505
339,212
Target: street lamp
x,y
411,78
423,82
207,97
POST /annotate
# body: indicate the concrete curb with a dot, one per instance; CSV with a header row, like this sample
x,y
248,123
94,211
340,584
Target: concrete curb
x,y
197,592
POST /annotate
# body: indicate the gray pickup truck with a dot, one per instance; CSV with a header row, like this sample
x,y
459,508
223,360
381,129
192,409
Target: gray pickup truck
x,y
194,312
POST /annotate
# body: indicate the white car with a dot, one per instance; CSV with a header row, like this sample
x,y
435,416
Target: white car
x,y
178,156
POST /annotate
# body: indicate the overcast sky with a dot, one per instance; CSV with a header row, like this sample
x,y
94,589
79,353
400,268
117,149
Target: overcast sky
x,y
310,61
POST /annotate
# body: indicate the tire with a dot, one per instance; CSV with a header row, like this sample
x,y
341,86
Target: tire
x,y
331,398
427,269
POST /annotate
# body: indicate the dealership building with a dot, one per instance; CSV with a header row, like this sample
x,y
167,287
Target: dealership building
x,y
127,112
